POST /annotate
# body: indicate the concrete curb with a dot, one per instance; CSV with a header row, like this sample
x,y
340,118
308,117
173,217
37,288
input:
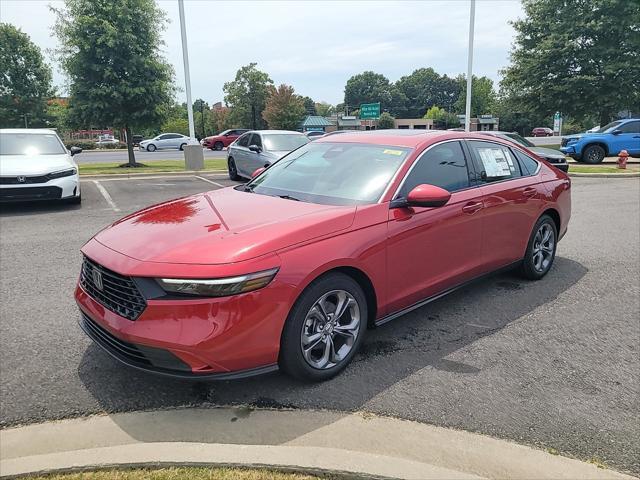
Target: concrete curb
x,y
606,175
99,176
360,445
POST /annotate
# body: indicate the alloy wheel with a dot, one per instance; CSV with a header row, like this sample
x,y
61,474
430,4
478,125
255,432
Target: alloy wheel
x,y
330,329
543,248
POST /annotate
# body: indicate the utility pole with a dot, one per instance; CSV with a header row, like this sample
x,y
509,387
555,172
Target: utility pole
x,y
25,115
467,112
187,77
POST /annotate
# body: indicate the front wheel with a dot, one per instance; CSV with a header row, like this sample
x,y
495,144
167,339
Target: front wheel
x,y
593,154
541,249
324,329
233,171
151,147
218,146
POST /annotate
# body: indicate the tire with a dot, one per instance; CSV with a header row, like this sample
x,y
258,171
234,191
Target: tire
x,y
151,147
538,260
182,147
233,171
310,337
218,146
593,154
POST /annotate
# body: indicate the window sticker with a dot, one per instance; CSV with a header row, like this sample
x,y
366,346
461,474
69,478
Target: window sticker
x,y
495,162
393,152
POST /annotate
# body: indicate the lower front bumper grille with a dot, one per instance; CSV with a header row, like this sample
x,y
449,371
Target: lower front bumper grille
x,y
27,194
140,356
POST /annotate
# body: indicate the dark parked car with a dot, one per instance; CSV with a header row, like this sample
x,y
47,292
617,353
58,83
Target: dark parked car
x,y
136,139
542,132
554,157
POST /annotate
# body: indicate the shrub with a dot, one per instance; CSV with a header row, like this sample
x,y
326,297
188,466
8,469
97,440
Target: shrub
x,y
83,144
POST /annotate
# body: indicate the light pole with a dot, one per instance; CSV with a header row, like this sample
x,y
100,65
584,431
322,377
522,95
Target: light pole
x,y
467,110
187,78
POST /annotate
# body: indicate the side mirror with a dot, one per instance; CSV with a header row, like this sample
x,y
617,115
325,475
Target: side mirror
x,y
267,164
258,172
427,196
75,150
616,132
255,148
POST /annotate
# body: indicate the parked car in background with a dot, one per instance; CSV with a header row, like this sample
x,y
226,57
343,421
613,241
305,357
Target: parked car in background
x,y
542,132
610,140
313,135
290,270
165,141
136,139
258,148
554,157
35,165
223,139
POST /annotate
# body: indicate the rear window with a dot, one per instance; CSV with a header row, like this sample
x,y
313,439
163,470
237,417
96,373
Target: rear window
x,y
31,144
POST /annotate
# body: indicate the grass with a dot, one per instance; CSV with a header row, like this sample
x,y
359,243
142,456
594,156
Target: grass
x,y
599,169
180,473
555,146
151,167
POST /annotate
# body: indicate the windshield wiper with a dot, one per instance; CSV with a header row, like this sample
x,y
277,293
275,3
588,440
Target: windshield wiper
x,y
289,197
248,188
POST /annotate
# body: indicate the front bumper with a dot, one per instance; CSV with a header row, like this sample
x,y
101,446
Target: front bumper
x,y
56,189
212,338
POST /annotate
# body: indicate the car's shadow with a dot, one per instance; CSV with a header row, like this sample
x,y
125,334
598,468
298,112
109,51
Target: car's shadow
x,y
390,354
14,209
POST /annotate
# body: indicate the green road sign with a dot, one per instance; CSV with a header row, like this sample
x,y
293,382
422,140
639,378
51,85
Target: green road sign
x,y
370,110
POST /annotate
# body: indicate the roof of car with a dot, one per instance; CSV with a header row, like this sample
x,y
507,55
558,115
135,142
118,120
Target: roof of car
x,y
277,132
27,130
399,137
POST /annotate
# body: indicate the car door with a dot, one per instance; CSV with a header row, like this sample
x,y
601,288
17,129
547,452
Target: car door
x,y
255,160
430,250
628,139
512,198
240,151
161,143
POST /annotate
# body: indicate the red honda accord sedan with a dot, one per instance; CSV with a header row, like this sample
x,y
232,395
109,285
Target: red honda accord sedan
x,y
289,270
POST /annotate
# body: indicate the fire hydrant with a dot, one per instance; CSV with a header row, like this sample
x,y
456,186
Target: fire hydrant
x,y
622,159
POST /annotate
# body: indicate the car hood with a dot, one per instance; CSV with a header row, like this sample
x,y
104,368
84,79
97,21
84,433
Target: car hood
x,y
222,226
547,152
37,165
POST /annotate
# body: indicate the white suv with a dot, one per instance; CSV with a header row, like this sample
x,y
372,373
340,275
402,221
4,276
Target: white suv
x,y
35,165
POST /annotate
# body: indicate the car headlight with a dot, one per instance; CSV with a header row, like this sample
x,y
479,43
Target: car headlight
x,y
217,287
63,173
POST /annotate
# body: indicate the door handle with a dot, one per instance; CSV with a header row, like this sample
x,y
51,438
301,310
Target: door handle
x,y
472,207
529,192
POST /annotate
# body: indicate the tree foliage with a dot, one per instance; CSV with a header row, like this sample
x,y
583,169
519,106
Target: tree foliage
x,y
111,54
441,118
25,80
247,95
386,121
425,88
483,96
325,109
284,109
309,106
576,56
367,87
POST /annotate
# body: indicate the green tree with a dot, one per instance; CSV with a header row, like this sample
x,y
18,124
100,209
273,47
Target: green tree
x,y
202,118
425,88
222,120
284,109
386,121
247,95
367,87
176,125
309,106
325,109
112,57
57,115
483,96
25,80
578,57
441,118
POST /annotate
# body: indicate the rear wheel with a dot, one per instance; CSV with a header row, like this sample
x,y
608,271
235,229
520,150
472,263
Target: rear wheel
x,y
541,249
324,329
593,154
151,147
218,146
182,146
233,171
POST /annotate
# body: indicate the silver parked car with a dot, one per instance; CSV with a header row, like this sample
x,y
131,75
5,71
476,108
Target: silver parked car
x,y
260,148
165,141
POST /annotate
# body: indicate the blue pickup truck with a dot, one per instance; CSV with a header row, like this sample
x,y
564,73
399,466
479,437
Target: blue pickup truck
x,y
606,142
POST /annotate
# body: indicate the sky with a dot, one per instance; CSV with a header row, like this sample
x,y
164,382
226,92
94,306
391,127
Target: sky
x,y
315,46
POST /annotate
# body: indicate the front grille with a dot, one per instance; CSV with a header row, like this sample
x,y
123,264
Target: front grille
x,y
118,293
141,356
16,180
30,193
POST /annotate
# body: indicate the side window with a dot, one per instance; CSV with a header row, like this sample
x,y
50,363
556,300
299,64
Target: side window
x,y
443,165
494,162
256,140
528,164
243,141
631,127
164,137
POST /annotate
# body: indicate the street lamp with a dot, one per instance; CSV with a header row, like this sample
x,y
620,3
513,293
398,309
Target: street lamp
x,y
187,78
467,116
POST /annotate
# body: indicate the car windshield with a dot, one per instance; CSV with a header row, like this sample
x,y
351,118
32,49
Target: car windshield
x,y
283,142
609,127
332,173
31,144
518,139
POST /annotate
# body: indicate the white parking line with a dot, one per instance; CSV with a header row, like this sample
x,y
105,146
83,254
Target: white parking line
x,y
210,181
106,196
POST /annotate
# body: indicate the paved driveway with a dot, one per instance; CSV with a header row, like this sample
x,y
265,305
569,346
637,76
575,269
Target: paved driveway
x,y
554,363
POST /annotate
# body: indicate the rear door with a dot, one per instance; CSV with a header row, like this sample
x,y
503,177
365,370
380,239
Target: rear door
x,y
240,152
513,199
432,249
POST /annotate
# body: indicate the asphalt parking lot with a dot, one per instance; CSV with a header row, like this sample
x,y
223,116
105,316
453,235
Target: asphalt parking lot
x,y
554,364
